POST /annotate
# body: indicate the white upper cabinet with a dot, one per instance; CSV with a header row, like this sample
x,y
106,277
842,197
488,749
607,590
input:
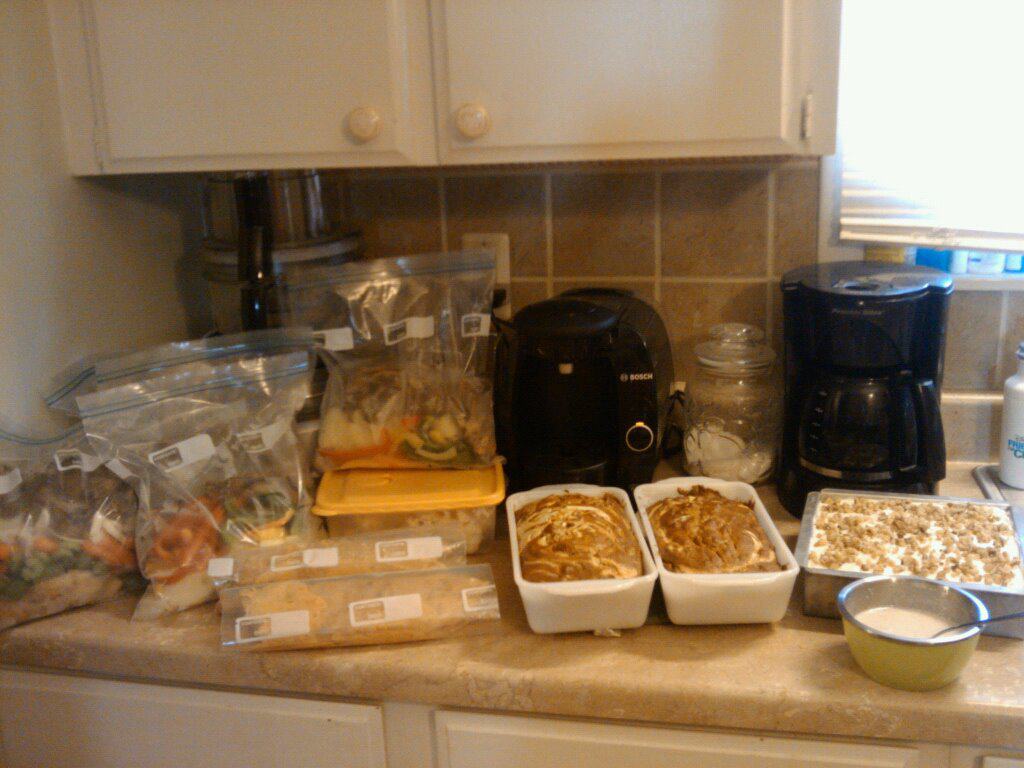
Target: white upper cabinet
x,y
165,85
540,80
192,85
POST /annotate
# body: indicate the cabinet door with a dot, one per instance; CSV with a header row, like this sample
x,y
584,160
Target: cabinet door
x,y
64,722
978,757
235,84
606,79
471,741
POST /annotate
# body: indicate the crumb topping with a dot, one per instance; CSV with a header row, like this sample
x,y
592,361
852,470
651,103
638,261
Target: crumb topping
x,y
953,541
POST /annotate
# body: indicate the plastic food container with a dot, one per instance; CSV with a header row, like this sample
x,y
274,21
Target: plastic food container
x,y
582,606
364,500
721,598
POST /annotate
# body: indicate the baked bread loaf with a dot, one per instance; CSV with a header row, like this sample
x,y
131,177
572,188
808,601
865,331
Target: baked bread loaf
x,y
702,531
359,610
573,537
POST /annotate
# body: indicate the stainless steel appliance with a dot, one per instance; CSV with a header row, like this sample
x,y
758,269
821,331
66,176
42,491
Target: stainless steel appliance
x,y
265,230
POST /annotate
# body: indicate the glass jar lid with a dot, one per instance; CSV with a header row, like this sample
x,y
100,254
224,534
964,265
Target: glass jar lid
x,y
735,345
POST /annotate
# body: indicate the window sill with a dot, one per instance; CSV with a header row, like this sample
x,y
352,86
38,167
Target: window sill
x,y
1003,282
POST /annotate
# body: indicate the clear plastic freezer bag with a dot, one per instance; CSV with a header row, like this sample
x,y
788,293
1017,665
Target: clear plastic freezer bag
x,y
401,550
67,525
408,353
360,610
212,453
98,373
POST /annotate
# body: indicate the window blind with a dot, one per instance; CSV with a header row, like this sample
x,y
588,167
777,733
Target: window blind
x,y
931,123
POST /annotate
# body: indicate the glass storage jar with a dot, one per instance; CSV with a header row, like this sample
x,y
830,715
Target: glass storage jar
x,y
733,408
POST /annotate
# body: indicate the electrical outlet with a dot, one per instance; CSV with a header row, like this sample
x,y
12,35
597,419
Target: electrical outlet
x,y
498,244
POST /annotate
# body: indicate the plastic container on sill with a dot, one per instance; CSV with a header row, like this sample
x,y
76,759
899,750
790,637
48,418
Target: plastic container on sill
x,y
582,606
363,500
721,598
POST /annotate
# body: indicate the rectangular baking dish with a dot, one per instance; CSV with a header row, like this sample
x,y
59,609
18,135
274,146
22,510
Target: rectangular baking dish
x,y
582,606
821,585
721,598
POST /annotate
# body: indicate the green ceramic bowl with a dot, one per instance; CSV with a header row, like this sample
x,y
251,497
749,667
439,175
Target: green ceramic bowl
x,y
913,664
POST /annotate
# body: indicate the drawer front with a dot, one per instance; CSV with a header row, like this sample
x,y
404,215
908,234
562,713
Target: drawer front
x,y
467,740
58,721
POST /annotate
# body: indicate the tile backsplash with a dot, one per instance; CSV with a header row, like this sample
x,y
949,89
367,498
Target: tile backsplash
x,y
983,332
704,242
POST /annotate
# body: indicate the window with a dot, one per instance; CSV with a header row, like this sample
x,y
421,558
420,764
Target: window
x,y
931,123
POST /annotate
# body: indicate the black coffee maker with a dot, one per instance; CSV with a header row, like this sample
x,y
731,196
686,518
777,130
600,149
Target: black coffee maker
x,y
863,359
582,390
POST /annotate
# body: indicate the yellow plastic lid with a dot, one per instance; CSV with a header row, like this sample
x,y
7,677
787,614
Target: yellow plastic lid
x,y
372,491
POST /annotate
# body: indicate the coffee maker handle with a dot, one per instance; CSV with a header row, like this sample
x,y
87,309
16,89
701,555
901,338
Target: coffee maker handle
x,y
933,441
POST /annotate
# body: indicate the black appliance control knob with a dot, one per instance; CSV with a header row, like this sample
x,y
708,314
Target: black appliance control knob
x,y
639,437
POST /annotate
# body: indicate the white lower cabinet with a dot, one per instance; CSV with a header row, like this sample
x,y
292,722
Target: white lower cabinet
x,y
973,757
466,740
60,721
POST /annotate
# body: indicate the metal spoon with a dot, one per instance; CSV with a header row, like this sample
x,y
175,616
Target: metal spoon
x,y
989,620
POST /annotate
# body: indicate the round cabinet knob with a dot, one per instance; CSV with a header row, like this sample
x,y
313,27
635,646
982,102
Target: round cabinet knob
x,y
472,120
639,437
364,124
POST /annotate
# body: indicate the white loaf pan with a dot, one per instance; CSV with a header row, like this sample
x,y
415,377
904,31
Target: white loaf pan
x,y
721,598
582,606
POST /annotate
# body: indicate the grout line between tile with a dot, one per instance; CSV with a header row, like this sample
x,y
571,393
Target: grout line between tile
x,y
604,278
657,237
1004,311
769,320
549,237
715,279
443,211
538,280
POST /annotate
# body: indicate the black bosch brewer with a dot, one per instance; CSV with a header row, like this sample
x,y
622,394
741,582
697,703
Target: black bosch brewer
x,y
863,364
582,390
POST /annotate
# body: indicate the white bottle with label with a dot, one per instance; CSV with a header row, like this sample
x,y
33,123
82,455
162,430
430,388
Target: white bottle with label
x,y
1011,441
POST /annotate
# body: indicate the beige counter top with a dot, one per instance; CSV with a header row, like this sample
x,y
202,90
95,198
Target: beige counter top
x,y
796,676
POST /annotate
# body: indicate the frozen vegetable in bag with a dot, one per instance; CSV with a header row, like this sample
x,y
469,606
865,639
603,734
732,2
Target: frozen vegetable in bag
x,y
66,527
212,453
408,360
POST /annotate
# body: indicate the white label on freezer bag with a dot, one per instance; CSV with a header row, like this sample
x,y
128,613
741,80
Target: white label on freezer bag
x,y
476,324
252,629
118,468
195,448
220,567
397,550
480,599
337,339
263,439
385,609
10,480
409,328
322,557
73,458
